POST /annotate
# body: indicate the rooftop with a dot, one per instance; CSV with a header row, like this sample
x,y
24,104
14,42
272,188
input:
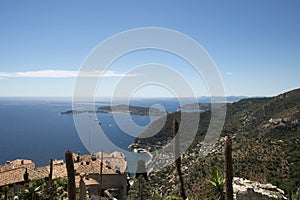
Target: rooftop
x,y
13,172
10,165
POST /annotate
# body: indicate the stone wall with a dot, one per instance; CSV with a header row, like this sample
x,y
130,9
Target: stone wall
x,y
110,181
249,190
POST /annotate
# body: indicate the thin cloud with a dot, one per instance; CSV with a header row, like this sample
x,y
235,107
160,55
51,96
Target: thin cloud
x,y
61,74
229,73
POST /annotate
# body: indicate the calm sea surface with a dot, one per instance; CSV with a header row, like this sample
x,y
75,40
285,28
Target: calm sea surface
x,y
33,129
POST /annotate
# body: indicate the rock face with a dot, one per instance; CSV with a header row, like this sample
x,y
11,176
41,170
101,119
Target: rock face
x,y
249,190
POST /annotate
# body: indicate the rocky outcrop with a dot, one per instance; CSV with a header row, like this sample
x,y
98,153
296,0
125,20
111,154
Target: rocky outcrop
x,y
249,190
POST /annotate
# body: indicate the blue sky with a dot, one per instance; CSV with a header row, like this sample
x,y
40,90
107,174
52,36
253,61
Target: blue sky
x,y
255,44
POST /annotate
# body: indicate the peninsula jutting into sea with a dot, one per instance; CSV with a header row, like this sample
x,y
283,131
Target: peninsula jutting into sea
x,y
134,110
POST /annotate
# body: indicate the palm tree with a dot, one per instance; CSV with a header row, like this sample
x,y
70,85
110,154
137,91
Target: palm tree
x,y
177,157
71,175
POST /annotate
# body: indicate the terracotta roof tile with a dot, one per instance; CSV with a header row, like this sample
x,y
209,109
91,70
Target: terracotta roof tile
x,y
12,176
39,173
93,167
17,164
13,172
59,171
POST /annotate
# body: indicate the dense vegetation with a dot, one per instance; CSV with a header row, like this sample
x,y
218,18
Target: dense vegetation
x,y
134,110
266,146
38,189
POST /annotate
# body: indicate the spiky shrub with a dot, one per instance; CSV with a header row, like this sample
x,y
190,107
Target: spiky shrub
x,y
228,168
216,185
71,175
177,157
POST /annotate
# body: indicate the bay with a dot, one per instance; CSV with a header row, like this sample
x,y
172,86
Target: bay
x,y
31,128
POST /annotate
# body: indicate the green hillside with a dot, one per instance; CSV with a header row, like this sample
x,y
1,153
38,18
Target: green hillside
x,y
266,145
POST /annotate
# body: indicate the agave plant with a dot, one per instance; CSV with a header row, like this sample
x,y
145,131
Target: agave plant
x,y
31,192
216,185
294,196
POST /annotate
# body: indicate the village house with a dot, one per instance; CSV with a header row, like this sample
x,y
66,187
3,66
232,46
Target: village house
x,y
109,179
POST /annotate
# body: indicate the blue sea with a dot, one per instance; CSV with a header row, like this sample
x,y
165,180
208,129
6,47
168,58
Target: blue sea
x,y
32,128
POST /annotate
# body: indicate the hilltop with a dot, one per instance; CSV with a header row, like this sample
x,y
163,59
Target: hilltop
x,y
134,110
266,145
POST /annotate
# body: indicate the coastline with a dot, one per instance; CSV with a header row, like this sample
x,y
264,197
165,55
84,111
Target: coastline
x,y
136,149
